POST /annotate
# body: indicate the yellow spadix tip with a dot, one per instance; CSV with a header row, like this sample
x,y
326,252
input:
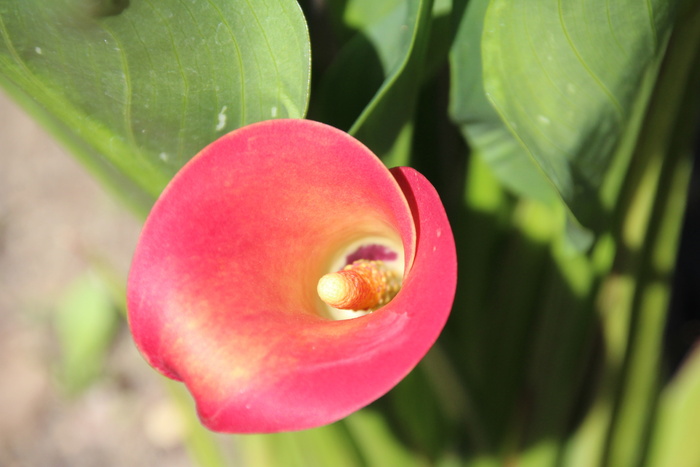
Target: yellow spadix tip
x,y
361,286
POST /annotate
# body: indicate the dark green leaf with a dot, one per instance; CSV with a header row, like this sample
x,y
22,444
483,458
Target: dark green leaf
x,y
374,82
385,125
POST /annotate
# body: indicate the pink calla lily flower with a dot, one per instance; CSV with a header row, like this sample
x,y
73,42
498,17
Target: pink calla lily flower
x,y
222,293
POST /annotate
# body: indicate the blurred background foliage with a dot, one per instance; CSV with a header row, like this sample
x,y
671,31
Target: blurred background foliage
x,y
560,136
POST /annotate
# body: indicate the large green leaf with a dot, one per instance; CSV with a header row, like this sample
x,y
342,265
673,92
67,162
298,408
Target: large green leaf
x,y
563,75
138,87
479,122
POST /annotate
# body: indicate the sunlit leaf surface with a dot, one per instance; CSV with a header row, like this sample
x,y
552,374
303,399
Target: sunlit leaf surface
x,y
563,76
675,442
143,85
487,134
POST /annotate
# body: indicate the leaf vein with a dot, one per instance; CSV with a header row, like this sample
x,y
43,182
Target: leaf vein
x,y
185,82
271,52
144,45
574,49
13,52
239,56
209,52
612,28
652,24
128,124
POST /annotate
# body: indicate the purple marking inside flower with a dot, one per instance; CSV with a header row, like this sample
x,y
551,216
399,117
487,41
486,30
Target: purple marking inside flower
x,y
372,252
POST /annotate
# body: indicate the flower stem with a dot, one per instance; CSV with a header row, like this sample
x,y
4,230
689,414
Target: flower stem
x,y
648,238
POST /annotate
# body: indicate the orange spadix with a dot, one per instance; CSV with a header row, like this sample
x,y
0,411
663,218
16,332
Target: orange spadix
x,y
361,286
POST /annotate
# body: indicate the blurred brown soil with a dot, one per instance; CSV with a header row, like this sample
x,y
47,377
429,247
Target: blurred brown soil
x,y
54,220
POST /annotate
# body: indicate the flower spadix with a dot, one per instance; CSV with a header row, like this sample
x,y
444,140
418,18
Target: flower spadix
x,y
288,278
363,285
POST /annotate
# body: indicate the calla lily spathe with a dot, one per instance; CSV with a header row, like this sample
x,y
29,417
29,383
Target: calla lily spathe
x,y
222,288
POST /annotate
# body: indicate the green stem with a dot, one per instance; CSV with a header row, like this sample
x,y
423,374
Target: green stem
x,y
648,238
201,445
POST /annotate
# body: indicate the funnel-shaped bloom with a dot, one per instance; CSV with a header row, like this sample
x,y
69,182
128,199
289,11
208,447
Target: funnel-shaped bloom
x,y
222,292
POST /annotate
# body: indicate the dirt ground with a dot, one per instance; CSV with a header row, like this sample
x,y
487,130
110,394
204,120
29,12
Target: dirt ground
x,y
53,219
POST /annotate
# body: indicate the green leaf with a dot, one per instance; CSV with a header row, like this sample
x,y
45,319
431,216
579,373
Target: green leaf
x,y
564,75
204,449
675,440
374,82
479,122
419,414
377,442
362,14
318,447
138,87
86,320
385,125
